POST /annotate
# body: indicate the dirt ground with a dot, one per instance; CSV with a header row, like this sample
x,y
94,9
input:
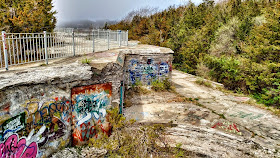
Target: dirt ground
x,y
208,121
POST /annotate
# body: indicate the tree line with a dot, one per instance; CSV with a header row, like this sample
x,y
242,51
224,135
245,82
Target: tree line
x,y
27,16
234,42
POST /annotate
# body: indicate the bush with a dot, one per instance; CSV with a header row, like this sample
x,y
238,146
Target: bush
x,y
130,141
164,85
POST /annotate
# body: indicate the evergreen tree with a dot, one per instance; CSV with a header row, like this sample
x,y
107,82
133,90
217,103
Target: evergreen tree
x,y
234,42
27,16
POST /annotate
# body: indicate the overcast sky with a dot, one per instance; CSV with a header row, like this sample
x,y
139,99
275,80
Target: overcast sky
x,y
69,10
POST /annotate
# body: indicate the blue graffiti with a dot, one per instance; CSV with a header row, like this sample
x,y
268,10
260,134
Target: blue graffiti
x,y
163,68
147,72
90,106
10,131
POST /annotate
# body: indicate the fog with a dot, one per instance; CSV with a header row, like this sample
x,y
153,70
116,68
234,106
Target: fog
x,y
78,10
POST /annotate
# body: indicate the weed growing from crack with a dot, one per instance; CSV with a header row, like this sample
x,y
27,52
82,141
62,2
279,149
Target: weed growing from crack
x,y
86,61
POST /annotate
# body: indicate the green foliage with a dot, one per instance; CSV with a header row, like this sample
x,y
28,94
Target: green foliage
x,y
27,16
203,82
179,152
164,85
86,61
128,140
157,85
270,96
234,42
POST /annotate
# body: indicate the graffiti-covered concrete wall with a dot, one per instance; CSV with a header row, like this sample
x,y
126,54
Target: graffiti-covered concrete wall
x,y
89,111
144,66
44,109
43,125
40,108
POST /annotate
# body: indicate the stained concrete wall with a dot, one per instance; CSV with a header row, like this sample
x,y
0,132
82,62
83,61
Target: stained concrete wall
x,y
147,68
36,111
147,64
44,109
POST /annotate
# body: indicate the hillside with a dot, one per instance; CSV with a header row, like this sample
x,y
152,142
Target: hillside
x,y
233,42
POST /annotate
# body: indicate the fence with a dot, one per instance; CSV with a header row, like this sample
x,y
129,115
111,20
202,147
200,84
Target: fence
x,y
21,48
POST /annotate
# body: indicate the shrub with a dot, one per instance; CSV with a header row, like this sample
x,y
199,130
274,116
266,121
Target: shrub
x,y
130,141
164,85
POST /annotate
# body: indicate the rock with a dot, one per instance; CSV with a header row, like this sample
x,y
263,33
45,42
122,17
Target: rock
x,y
87,152
91,152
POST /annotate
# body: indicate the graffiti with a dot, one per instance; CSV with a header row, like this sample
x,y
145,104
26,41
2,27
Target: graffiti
x,y
251,116
89,111
227,126
52,113
147,72
23,147
87,131
241,99
42,124
163,68
42,112
48,118
18,148
55,130
87,105
13,125
120,60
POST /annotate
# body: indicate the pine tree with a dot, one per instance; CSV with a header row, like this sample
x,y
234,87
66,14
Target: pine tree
x,y
27,16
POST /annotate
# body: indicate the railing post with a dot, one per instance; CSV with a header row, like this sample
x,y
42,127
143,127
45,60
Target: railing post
x,y
120,40
126,37
93,41
73,42
108,39
5,49
46,45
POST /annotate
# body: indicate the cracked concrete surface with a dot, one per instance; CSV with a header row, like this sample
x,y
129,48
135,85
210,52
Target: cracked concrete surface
x,y
216,124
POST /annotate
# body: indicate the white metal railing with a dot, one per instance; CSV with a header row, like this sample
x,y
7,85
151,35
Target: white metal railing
x,y
21,48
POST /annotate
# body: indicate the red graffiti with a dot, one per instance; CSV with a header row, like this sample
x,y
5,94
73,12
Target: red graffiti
x,y
105,128
83,134
231,127
14,148
217,124
87,131
90,130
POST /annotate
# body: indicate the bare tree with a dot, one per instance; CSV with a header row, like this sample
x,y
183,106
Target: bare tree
x,y
142,12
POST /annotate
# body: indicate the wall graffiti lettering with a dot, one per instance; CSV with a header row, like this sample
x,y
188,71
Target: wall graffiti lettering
x,y
89,111
86,132
147,72
24,147
50,119
251,116
18,148
227,126
13,125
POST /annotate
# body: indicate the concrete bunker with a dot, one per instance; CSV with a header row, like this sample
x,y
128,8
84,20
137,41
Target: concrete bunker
x,y
44,109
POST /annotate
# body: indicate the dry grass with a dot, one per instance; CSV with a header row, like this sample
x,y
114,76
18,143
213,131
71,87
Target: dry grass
x,y
203,82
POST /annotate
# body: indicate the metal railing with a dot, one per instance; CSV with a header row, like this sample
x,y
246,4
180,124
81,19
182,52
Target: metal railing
x,y
21,48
